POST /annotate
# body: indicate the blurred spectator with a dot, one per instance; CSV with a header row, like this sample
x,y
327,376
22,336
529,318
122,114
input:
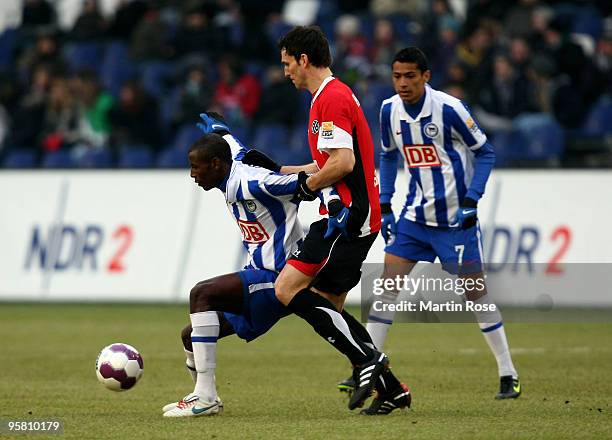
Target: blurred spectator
x,y
36,14
61,121
509,93
279,100
603,56
569,55
440,49
27,120
555,93
45,52
237,93
384,48
572,61
127,19
518,21
385,8
540,18
353,6
134,118
255,44
89,25
94,105
195,96
520,55
456,90
150,38
351,50
196,33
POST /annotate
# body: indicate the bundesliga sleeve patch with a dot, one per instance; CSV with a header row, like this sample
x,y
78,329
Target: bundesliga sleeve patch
x,y
471,125
327,130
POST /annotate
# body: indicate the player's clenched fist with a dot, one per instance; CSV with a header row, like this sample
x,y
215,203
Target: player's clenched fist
x,y
467,213
389,227
302,192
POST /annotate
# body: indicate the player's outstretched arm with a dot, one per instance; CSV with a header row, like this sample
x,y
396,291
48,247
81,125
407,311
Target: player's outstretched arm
x,y
309,168
341,162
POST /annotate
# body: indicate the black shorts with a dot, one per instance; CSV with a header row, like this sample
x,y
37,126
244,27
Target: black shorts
x,y
335,263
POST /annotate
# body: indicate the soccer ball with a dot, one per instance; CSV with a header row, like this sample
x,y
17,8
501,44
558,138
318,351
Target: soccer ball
x,y
119,366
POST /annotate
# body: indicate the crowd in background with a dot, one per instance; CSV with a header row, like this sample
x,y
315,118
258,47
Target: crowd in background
x,y
121,82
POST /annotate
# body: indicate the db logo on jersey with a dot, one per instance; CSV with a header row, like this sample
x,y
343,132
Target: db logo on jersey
x,y
419,156
253,232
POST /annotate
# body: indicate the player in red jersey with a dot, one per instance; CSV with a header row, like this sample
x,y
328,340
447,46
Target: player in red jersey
x,y
318,276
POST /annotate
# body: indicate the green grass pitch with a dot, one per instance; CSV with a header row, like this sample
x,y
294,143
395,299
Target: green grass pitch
x,y
282,386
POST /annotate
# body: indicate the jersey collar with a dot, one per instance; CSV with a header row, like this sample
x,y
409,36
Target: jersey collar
x,y
321,87
425,110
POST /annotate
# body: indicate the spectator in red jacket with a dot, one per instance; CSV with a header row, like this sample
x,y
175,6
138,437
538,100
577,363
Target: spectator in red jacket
x,y
237,92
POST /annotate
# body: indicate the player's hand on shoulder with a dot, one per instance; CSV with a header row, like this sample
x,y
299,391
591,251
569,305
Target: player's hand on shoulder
x,y
302,192
467,214
389,227
213,122
338,219
258,159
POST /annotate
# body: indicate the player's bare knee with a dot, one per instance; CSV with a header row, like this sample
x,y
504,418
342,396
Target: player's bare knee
x,y
186,337
202,297
282,295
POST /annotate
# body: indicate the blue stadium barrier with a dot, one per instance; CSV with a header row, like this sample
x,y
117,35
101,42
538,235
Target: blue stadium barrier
x,y
58,159
544,137
96,158
599,121
135,156
172,158
20,159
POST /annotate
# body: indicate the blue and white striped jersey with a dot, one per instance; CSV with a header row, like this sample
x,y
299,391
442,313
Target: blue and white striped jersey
x,y
438,148
259,200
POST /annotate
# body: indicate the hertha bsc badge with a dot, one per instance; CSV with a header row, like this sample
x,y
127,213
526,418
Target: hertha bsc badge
x,y
250,205
315,126
431,130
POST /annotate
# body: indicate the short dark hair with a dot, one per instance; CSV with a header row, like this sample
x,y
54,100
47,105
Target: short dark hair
x,y
414,55
309,40
212,146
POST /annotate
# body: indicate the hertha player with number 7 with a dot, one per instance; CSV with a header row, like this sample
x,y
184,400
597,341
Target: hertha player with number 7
x,y
448,160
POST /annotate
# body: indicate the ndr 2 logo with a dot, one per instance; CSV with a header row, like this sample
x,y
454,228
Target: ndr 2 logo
x,y
68,246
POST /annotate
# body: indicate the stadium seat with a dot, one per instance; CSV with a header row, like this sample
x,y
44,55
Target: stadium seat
x,y
599,121
83,56
58,159
269,137
153,77
588,21
117,67
172,158
8,40
544,139
186,135
276,29
20,159
96,158
135,156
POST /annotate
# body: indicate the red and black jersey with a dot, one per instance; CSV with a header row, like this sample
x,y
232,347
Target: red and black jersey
x,y
337,121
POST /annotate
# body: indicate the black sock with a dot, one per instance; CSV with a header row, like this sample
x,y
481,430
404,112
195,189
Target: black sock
x,y
357,329
330,325
387,380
